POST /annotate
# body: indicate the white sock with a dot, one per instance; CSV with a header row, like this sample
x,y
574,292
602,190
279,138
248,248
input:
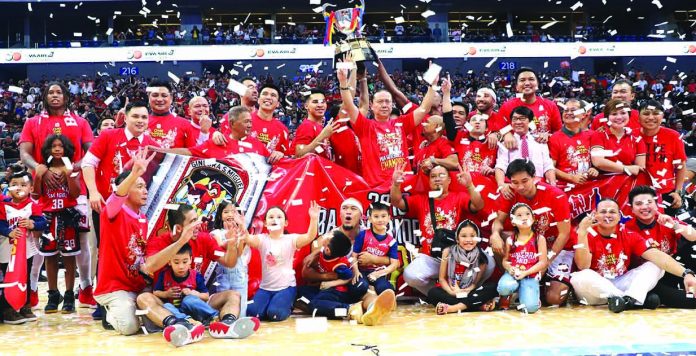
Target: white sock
x,y
36,265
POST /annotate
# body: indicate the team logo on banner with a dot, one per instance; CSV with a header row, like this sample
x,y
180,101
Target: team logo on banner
x,y
207,184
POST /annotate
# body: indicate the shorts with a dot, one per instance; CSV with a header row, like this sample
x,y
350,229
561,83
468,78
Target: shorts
x,y
62,234
691,164
561,267
83,208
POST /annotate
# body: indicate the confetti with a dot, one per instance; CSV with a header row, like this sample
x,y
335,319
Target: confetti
x,y
428,13
15,89
173,77
576,6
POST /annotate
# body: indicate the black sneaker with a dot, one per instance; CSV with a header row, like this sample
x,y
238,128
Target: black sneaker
x,y
69,302
54,299
617,304
652,301
105,324
27,314
98,313
10,316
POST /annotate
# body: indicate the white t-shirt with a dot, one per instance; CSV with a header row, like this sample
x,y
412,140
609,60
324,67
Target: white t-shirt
x,y
276,262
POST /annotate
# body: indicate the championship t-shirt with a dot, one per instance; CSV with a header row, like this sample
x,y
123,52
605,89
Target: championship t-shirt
x,y
624,150
547,117
571,153
306,133
440,148
660,237
449,211
271,133
204,247
37,129
246,145
475,154
664,153
611,256
171,131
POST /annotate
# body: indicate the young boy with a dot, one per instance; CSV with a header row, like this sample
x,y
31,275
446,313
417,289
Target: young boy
x,y
20,211
183,289
376,242
333,301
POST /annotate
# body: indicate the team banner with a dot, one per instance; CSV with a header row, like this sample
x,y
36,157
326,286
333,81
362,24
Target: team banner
x,y
292,184
15,282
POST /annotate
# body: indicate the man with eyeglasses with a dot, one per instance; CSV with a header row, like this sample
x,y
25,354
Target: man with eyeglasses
x,y
622,90
570,147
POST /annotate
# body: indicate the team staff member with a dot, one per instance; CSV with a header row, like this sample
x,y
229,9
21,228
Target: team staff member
x,y
570,147
617,150
622,90
167,129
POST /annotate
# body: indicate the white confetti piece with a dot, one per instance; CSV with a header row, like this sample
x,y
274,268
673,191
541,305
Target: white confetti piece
x,y
296,202
399,19
576,6
142,312
428,13
311,325
490,63
173,77
508,30
15,89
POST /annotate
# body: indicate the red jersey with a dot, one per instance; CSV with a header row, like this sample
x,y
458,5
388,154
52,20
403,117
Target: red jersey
x,y
171,131
633,121
325,266
611,256
550,207
204,247
384,146
524,257
271,133
248,144
169,282
122,250
547,117
306,133
475,154
13,213
53,200
665,152
449,211
346,149
571,153
375,247
114,151
625,149
658,236
37,129
439,148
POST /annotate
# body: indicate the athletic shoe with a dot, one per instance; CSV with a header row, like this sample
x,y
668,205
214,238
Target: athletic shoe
x,y
85,298
69,302
54,299
355,312
652,301
98,313
27,314
504,302
230,328
617,304
379,308
10,316
34,299
183,333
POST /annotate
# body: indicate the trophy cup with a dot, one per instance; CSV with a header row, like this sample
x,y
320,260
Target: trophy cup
x,y
349,21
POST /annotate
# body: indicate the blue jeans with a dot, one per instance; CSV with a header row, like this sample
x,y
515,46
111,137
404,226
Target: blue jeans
x,y
236,279
381,284
192,306
528,289
272,305
328,300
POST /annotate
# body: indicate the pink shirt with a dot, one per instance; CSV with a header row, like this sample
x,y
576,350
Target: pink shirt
x,y
276,262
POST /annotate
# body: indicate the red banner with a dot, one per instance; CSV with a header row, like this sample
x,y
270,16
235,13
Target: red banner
x,y
16,276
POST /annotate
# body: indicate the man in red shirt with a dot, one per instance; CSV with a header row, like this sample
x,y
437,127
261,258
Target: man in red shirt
x,y
199,110
622,90
552,215
663,232
249,100
382,140
450,207
485,103
167,129
547,117
238,141
265,126
569,148
311,136
603,255
206,254
665,154
57,119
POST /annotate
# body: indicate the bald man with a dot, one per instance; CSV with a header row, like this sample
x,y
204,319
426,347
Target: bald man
x,y
199,111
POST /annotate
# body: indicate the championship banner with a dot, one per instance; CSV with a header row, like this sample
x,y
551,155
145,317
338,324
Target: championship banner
x,y
16,277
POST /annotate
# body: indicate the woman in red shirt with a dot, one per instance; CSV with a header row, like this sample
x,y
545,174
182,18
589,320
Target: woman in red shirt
x,y
618,150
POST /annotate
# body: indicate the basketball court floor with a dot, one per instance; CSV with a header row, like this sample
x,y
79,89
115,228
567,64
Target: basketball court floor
x,y
414,329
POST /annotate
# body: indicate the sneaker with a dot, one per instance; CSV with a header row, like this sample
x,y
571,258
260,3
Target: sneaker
x,y
27,314
504,302
54,299
34,299
183,333
652,301
98,313
355,312
69,302
617,304
379,308
85,298
229,328
10,316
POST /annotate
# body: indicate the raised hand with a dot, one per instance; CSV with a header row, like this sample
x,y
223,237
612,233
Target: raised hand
x,y
464,177
140,161
314,210
398,175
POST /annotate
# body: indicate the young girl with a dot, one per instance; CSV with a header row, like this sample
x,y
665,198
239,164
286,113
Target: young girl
x,y
58,204
524,259
225,232
461,273
276,295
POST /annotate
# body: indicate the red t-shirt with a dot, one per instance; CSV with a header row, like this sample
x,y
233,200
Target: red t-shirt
x,y
547,117
306,133
346,149
383,145
571,154
611,257
550,207
204,248
171,131
37,129
625,149
122,251
475,154
662,153
271,133
114,151
196,131
439,148
449,211
247,145
659,236
633,121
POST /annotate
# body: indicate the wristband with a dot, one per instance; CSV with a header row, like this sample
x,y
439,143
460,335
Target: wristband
x,y
688,271
344,88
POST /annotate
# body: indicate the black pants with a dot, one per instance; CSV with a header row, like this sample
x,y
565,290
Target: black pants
x,y
472,301
95,225
670,288
3,302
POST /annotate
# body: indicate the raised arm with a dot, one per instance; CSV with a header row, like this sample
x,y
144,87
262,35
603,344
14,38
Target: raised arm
x,y
304,239
395,197
347,95
399,97
583,256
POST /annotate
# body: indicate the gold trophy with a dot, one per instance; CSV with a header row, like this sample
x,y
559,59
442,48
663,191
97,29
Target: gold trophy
x,y
348,22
